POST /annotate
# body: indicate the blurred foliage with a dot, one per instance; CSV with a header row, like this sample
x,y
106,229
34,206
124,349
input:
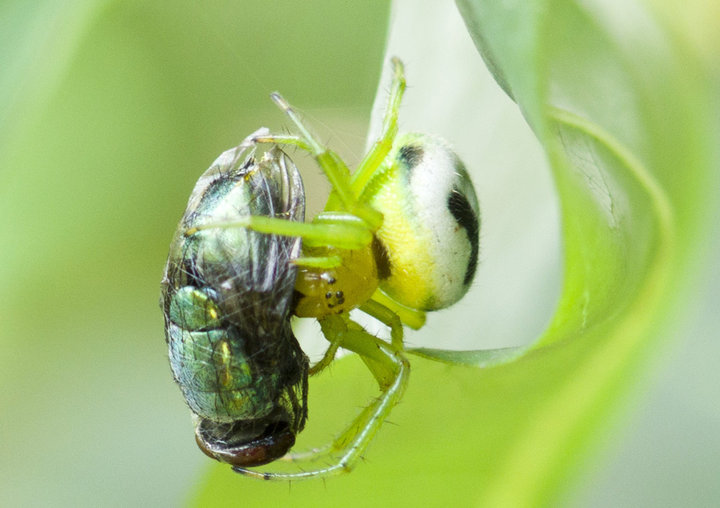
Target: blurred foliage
x,y
624,106
109,112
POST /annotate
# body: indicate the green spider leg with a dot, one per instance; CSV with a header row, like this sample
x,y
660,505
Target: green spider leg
x,y
375,157
346,223
328,356
413,318
374,309
383,373
326,262
350,230
391,370
340,230
380,371
388,318
348,188
334,167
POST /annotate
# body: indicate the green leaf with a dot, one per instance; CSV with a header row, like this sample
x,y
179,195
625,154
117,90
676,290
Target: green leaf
x,y
474,358
621,98
618,106
623,105
109,112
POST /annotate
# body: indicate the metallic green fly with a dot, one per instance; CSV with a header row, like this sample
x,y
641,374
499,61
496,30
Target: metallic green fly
x,y
397,238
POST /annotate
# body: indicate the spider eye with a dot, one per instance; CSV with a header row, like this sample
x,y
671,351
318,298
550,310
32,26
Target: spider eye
x,y
432,223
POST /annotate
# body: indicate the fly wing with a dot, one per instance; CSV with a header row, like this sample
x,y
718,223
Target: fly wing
x,y
250,272
227,298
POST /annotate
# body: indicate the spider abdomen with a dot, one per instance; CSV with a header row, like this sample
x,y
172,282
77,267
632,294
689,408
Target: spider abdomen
x,y
431,222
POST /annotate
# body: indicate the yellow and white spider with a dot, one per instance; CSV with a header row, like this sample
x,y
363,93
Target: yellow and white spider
x,y
398,237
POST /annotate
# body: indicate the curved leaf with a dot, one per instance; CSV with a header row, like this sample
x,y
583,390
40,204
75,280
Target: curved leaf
x,y
623,109
109,112
622,101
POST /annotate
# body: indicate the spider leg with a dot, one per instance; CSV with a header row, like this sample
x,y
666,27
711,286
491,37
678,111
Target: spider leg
x,y
283,139
388,318
334,167
383,144
326,262
383,372
344,452
329,355
344,231
413,318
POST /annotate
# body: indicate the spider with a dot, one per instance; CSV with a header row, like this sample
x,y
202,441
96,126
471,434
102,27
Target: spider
x,y
398,237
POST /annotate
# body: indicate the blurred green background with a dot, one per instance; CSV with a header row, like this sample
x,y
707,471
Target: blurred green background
x,y
109,113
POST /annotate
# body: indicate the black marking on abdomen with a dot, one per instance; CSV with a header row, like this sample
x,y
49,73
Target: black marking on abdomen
x,y
464,214
382,259
411,155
